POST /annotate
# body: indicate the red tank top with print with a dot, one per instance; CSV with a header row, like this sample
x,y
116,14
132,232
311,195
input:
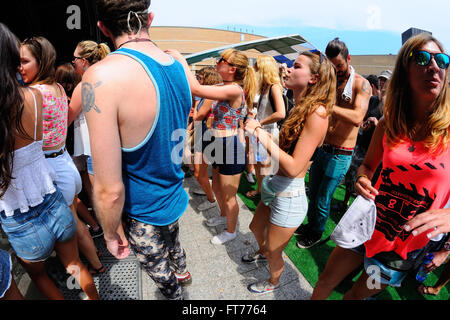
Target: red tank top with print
x,y
412,181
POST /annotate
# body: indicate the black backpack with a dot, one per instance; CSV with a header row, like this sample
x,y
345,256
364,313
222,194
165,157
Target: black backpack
x,y
288,105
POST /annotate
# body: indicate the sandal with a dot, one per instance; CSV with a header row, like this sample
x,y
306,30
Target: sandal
x,y
252,194
94,271
184,279
423,289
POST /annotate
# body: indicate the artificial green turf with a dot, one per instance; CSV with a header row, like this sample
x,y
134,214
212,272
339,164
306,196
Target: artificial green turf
x,y
312,261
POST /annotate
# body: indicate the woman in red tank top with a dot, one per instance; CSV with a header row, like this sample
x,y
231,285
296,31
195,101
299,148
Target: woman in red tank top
x,y
412,142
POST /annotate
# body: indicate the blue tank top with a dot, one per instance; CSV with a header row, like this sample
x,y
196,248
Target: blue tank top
x,y
154,192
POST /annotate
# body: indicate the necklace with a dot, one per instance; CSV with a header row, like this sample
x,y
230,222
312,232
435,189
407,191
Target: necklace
x,y
135,40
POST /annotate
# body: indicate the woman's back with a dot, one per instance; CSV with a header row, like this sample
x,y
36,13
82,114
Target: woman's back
x,y
31,118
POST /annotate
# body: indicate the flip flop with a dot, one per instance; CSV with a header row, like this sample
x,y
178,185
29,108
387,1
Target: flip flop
x,y
93,271
423,289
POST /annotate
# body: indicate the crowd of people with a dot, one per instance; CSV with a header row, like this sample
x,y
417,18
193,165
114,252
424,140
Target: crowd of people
x,y
386,137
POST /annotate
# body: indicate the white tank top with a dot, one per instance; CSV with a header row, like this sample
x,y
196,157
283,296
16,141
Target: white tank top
x,y
265,110
32,177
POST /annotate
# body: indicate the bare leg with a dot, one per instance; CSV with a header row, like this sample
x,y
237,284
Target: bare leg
x,y
68,254
86,243
217,191
360,291
201,174
340,264
84,213
13,292
259,226
229,186
38,274
277,240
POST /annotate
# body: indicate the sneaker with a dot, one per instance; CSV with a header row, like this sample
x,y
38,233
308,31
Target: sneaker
x,y
96,233
250,178
199,192
206,205
253,257
216,221
223,237
184,279
262,287
309,240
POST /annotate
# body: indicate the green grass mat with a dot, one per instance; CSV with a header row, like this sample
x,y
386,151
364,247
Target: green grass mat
x,y
311,262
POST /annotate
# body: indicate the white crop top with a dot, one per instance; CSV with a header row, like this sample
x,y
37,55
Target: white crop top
x,y
32,177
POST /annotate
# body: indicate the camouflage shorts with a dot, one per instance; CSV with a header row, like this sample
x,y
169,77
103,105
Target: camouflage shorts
x,y
160,254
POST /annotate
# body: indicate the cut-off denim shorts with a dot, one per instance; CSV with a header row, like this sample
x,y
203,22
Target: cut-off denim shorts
x,y
380,272
288,212
33,234
5,272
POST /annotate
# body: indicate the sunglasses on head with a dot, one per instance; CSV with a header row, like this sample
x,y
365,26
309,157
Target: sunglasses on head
x,y
222,59
423,58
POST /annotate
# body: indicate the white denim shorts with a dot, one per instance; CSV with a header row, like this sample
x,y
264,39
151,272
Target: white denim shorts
x,y
288,212
68,178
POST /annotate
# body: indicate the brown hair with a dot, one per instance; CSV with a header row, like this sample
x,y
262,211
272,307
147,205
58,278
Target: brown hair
x,y
323,92
67,77
92,51
210,76
123,16
397,108
45,55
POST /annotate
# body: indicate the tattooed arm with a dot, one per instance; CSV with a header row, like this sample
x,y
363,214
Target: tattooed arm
x,y
99,104
356,114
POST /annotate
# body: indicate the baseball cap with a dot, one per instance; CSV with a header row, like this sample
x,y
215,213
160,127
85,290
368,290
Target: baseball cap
x,y
357,224
385,74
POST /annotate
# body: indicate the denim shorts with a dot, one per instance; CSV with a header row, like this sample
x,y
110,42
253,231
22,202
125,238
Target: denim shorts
x,y
90,167
5,272
33,234
68,177
380,272
288,212
229,155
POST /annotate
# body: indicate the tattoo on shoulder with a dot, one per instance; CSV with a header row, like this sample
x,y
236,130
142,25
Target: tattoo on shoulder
x,y
366,88
88,96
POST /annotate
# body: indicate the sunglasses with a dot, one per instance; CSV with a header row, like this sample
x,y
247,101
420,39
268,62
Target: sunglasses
x,y
75,57
423,58
222,59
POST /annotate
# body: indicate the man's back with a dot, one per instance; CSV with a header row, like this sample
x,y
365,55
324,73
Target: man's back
x,y
145,100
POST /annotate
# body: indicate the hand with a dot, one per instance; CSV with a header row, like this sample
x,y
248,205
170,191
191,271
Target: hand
x,y
117,245
176,55
251,125
363,186
434,222
439,259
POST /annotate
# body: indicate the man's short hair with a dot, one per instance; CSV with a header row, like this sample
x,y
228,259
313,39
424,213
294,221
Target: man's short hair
x,y
116,16
336,47
373,80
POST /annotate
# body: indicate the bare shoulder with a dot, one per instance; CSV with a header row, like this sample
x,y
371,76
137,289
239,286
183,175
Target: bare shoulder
x,y
29,97
321,112
318,117
362,85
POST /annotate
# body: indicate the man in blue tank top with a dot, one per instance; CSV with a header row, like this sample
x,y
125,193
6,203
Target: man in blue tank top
x,y
137,101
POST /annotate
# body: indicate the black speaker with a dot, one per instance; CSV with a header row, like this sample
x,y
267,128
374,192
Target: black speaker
x,y
63,22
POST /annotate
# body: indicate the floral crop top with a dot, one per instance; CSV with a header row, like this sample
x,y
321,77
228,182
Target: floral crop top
x,y
55,115
226,117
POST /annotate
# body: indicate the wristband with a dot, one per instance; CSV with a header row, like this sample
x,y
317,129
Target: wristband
x,y
254,130
362,176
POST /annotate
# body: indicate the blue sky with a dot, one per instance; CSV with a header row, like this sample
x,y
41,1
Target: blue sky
x,y
367,26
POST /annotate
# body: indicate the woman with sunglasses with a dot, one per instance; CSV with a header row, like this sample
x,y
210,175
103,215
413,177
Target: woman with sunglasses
x,y
229,161
412,141
33,212
313,81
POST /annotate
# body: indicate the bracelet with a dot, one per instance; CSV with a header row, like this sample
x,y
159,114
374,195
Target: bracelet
x,y
254,130
362,176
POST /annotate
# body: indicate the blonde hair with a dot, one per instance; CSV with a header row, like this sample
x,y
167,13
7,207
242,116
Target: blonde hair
x,y
245,75
92,51
397,108
321,93
268,72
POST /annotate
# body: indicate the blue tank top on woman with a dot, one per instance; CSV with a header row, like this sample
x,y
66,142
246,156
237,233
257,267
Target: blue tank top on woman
x,y
154,192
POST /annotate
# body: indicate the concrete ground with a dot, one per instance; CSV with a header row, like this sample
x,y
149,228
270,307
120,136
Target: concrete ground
x,y
217,270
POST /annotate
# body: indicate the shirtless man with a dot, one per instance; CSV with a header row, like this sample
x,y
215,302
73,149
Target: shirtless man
x,y
134,100
334,157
